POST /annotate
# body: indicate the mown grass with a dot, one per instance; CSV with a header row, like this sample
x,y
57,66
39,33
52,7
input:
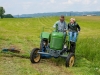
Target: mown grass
x,y
24,33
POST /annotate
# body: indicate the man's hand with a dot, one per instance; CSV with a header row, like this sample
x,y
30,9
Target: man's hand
x,y
64,30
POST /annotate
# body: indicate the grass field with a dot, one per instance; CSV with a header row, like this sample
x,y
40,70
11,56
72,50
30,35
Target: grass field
x,y
24,33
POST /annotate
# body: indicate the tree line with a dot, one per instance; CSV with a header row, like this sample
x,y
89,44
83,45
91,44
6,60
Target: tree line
x,y
2,15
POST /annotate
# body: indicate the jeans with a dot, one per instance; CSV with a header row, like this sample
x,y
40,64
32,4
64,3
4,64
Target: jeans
x,y
73,36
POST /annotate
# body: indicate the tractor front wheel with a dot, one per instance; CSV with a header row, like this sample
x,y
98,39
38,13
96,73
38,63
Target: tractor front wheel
x,y
70,60
35,56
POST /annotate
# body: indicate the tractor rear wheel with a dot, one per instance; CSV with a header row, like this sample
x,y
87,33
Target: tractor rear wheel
x,y
70,60
35,56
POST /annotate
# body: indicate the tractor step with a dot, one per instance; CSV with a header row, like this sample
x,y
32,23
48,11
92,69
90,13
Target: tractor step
x,y
43,53
64,56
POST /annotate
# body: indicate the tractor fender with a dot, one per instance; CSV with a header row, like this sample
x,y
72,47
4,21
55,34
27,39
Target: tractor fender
x,y
45,35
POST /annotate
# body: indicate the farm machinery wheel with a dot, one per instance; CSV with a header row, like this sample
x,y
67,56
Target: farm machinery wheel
x,y
70,60
35,56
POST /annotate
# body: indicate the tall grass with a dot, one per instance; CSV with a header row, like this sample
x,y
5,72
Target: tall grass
x,y
24,34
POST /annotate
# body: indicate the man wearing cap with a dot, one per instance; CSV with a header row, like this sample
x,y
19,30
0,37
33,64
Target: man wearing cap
x,y
73,29
61,26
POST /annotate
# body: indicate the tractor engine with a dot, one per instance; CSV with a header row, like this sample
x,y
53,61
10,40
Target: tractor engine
x,y
57,40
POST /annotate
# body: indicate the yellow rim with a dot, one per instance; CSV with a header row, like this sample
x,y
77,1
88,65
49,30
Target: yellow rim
x,y
71,61
37,57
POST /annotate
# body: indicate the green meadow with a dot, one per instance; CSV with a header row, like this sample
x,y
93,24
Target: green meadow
x,y
24,34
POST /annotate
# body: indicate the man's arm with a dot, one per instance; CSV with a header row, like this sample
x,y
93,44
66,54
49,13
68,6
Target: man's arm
x,y
54,26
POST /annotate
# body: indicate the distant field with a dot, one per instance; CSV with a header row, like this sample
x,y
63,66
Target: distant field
x,y
24,33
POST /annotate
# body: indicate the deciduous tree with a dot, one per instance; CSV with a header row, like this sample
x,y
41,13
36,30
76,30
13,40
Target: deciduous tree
x,y
2,11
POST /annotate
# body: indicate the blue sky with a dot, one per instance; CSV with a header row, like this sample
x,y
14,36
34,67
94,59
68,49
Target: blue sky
x,y
40,6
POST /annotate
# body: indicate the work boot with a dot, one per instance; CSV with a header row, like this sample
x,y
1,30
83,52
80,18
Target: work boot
x,y
72,46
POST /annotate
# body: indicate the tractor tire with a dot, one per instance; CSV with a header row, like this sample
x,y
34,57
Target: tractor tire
x,y
34,56
70,60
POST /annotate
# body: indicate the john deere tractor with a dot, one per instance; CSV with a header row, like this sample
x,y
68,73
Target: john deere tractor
x,y
53,45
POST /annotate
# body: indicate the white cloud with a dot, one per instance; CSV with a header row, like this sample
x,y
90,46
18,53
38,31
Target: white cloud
x,y
69,2
52,1
98,9
77,0
95,1
86,2
39,6
26,5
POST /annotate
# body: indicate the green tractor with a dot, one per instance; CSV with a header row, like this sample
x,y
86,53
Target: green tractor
x,y
53,45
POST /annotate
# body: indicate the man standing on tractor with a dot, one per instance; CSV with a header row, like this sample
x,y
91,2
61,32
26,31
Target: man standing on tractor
x,y
61,26
73,29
